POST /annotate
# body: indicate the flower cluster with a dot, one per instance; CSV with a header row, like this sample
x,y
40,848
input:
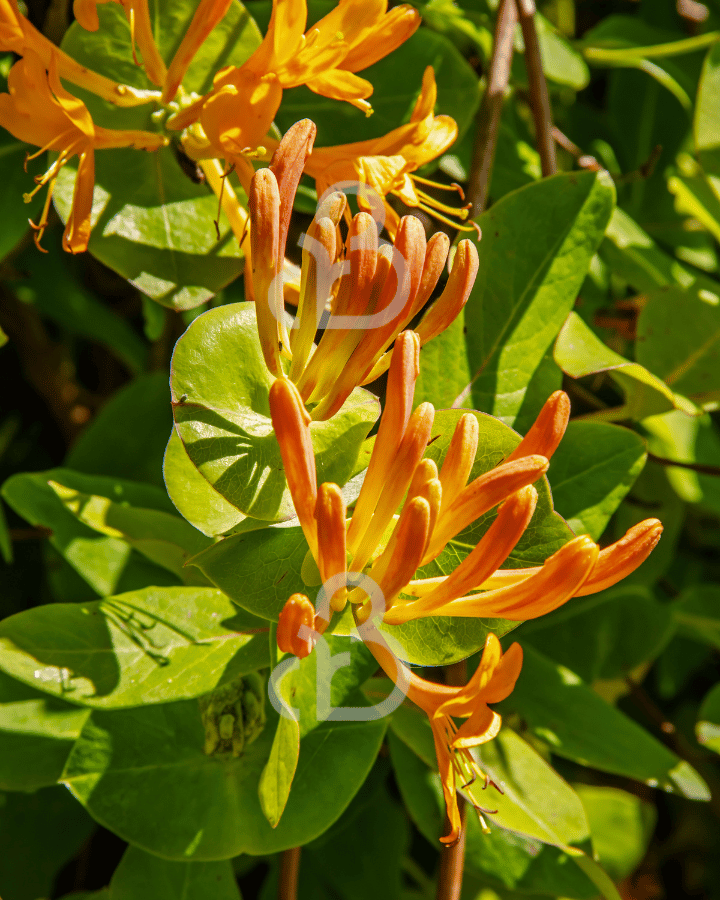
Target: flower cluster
x,y
231,123
372,289
405,516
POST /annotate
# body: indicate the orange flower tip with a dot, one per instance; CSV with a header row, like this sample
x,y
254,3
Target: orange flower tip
x,y
286,403
332,207
548,429
624,556
297,612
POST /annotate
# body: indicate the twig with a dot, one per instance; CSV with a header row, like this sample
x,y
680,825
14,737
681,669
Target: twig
x,y
701,468
289,869
487,120
452,859
539,99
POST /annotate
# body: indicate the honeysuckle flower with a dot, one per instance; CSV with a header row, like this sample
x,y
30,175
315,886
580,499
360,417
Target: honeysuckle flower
x,y
438,505
387,163
20,36
375,290
492,681
38,110
141,33
237,113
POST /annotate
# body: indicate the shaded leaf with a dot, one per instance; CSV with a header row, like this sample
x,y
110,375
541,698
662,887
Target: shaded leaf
x,y
576,723
134,768
579,352
39,833
149,646
37,733
592,470
140,876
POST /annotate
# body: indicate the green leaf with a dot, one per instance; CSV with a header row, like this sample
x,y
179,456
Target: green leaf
x,y
605,635
108,564
621,825
373,865
694,197
592,470
163,538
39,833
560,61
634,256
503,859
220,388
37,733
535,252
708,724
194,496
136,768
697,613
707,118
152,224
679,340
579,352
108,447
576,723
277,777
140,876
149,646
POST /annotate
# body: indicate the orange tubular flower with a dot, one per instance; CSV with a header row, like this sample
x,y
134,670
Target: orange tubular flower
x,y
374,293
438,506
298,611
138,16
492,681
387,163
40,111
19,36
237,113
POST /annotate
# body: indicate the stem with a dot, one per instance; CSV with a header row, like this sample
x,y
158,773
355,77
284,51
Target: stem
x,y
694,467
487,120
539,99
452,859
289,869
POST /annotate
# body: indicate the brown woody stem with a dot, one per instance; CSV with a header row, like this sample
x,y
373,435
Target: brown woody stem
x,y
289,870
539,98
452,859
488,115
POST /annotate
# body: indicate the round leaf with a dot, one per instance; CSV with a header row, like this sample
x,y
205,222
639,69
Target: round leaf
x,y
220,387
134,769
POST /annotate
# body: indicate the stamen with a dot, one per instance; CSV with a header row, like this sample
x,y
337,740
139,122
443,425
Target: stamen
x,y
461,212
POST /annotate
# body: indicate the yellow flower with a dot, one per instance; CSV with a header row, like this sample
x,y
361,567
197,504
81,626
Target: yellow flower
x,y
20,36
437,507
492,681
237,113
387,163
375,292
38,110
138,16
